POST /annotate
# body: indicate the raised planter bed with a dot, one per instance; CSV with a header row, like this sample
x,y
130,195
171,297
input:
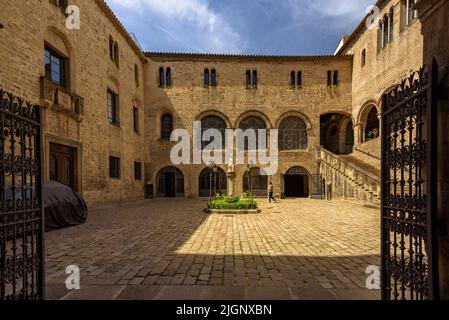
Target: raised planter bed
x,y
228,211
232,205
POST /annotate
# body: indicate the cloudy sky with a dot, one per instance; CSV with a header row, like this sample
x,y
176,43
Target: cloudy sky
x,y
296,27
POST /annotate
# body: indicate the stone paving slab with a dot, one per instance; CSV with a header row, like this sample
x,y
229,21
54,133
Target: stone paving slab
x,y
165,249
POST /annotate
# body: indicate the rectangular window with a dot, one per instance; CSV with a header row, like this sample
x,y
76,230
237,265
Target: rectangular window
x,y
137,171
136,119
114,167
112,107
329,78
54,67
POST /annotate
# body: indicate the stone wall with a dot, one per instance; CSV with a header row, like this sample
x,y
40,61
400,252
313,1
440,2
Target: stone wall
x,y
384,67
28,27
273,100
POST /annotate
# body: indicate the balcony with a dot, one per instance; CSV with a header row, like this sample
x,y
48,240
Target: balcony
x,y
61,99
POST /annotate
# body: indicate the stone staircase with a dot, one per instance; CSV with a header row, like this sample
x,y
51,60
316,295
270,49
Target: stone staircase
x,y
351,178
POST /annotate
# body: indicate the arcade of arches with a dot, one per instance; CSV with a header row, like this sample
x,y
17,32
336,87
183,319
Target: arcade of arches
x,y
336,135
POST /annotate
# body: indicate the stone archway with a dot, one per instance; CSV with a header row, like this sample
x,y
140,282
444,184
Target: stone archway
x,y
296,183
217,184
170,183
336,133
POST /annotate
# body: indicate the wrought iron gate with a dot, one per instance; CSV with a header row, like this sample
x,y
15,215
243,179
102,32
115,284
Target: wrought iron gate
x,y
409,244
21,215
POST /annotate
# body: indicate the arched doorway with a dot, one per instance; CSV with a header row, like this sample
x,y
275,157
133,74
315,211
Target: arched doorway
x,y
257,185
219,182
296,183
170,183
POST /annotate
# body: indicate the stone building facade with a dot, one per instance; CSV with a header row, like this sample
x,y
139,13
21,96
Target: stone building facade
x,y
109,107
77,136
188,99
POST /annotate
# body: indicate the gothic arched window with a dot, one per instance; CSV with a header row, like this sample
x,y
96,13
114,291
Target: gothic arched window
x,y
213,122
293,134
254,123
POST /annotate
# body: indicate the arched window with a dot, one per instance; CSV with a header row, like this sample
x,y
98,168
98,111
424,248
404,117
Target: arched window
x,y
136,75
161,77
293,134
213,182
335,79
293,79
299,79
372,125
116,54
254,183
206,78
166,126
213,78
385,31
363,58
254,79
214,122
410,12
169,80
391,25
254,123
248,79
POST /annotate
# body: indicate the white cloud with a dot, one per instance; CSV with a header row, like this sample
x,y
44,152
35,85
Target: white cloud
x,y
191,20
345,10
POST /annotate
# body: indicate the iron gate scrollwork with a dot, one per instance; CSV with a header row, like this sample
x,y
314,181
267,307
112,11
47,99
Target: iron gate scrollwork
x,y
21,215
409,259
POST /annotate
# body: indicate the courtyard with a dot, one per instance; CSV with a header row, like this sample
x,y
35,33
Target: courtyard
x,y
169,249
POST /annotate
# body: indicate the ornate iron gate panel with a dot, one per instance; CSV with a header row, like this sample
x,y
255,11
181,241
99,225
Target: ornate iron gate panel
x,y
21,214
409,259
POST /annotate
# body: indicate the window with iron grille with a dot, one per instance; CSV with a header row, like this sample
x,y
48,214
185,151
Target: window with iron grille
x,y
114,167
137,171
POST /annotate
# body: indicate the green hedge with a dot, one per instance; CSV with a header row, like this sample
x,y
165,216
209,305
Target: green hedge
x,y
233,203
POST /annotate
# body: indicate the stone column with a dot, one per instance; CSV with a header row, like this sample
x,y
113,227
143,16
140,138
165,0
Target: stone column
x,y
231,179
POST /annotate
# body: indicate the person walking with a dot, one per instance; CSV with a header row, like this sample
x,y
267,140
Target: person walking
x,y
270,193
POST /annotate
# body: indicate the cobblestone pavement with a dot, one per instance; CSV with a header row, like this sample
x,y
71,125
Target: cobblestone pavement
x,y
170,249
